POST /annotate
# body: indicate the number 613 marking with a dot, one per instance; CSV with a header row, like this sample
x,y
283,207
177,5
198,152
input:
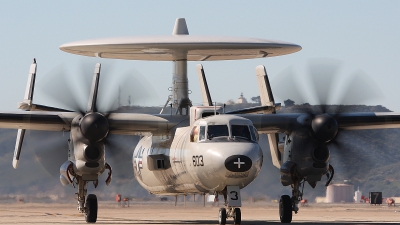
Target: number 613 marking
x,y
198,160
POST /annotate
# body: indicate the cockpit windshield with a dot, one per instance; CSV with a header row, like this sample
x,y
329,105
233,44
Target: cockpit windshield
x,y
217,131
241,131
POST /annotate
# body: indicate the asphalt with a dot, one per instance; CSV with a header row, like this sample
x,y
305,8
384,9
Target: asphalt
x,y
167,213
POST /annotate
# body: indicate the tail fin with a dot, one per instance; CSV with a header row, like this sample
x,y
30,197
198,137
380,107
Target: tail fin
x,y
205,93
94,90
267,99
30,86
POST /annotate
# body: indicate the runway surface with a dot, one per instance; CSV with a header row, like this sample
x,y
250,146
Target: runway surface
x,y
167,213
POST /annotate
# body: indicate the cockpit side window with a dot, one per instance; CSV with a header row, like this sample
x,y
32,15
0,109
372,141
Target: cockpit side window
x,y
254,133
194,135
241,131
202,134
217,131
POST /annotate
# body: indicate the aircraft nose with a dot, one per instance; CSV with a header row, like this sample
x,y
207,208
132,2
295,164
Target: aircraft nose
x,y
238,163
232,164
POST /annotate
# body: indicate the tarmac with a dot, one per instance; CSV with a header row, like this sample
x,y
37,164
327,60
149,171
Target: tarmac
x,y
167,213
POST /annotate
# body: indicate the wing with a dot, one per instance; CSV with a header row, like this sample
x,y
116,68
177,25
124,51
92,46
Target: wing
x,y
120,123
363,121
281,123
271,123
36,120
137,123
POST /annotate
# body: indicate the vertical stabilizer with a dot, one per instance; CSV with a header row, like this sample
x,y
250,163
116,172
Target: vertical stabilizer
x,y
205,93
267,99
25,105
264,87
94,90
180,27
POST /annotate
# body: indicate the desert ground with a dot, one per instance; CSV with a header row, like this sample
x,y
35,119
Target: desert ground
x,y
194,213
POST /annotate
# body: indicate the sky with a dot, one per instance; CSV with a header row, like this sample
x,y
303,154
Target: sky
x,y
361,35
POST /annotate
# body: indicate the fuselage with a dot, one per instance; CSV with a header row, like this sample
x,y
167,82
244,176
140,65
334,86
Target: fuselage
x,y
214,152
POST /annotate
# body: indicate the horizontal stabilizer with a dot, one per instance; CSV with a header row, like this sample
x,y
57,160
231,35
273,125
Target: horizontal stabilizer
x,y
256,110
36,107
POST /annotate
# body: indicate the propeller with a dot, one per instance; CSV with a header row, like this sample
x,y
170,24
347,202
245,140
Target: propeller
x,y
323,86
73,92
51,152
331,94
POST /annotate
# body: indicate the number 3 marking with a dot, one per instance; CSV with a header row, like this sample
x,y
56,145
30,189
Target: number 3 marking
x,y
236,195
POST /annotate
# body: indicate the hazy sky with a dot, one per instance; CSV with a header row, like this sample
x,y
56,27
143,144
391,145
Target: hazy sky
x,y
363,35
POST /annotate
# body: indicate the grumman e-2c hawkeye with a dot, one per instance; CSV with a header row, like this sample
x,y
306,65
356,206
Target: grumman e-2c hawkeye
x,y
196,149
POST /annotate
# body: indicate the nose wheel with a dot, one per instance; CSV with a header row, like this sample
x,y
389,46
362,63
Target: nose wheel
x,y
231,212
222,216
237,216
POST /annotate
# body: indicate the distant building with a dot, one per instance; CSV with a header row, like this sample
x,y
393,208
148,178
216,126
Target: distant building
x,y
230,102
339,193
241,99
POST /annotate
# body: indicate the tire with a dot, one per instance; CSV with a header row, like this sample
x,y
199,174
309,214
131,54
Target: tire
x,y
91,204
285,209
222,216
237,219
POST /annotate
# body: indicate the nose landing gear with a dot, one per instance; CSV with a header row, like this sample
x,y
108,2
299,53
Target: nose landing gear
x,y
232,213
232,202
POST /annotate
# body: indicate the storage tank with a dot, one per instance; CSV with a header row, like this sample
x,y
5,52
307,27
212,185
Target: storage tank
x,y
357,195
336,193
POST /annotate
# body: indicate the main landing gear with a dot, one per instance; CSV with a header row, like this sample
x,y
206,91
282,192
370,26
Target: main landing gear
x,y
87,206
232,202
288,204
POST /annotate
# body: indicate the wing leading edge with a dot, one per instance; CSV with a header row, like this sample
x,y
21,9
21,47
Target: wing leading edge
x,y
120,123
36,120
281,123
